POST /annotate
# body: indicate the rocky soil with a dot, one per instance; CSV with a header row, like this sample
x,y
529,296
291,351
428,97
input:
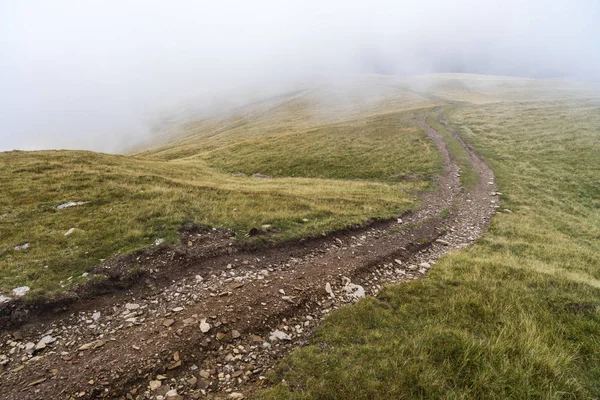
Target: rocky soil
x,y
209,319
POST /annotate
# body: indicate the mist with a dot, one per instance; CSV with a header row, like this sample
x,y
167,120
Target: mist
x,y
98,75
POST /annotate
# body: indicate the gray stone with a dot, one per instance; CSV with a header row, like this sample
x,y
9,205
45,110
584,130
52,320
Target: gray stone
x,y
20,291
70,204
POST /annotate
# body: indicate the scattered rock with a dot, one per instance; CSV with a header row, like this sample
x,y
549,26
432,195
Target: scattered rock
x,y
329,290
29,347
131,306
46,340
236,395
279,335
235,334
204,326
399,262
20,291
192,381
204,374
37,382
22,246
4,359
172,395
159,241
67,233
154,385
168,322
96,316
177,309
354,291
4,299
39,346
92,345
440,241
71,204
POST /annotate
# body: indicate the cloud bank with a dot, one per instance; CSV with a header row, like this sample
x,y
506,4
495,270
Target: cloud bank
x,y
95,74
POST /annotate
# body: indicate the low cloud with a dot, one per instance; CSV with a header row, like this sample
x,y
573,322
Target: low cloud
x,y
97,74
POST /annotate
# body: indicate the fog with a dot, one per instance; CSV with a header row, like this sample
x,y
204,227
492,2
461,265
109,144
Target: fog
x,y
98,74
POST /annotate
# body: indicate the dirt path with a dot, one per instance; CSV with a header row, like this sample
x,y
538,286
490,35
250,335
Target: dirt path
x,y
228,315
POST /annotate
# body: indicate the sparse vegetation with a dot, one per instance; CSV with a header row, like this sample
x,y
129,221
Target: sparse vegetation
x,y
517,315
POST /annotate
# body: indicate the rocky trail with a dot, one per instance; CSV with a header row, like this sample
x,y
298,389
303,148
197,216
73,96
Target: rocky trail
x,y
209,319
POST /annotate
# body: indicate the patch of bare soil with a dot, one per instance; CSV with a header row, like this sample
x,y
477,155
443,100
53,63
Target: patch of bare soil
x,y
208,319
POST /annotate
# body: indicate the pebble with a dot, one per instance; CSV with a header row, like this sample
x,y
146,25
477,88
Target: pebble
x,y
154,385
204,374
132,306
70,204
279,335
92,345
204,326
329,290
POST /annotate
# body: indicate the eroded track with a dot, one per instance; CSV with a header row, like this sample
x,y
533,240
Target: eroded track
x,y
149,341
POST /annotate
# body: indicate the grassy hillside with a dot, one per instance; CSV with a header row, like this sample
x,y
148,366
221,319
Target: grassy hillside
x,y
350,175
381,148
517,316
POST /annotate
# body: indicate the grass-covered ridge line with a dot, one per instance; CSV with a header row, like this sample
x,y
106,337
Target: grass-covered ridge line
x,y
133,201
516,316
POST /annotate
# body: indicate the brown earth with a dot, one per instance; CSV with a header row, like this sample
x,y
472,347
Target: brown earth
x,y
143,338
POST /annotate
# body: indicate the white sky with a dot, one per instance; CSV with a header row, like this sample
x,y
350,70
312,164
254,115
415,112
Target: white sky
x,y
92,74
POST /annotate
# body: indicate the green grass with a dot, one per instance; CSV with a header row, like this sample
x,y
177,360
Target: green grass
x,y
132,201
468,177
381,148
516,316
